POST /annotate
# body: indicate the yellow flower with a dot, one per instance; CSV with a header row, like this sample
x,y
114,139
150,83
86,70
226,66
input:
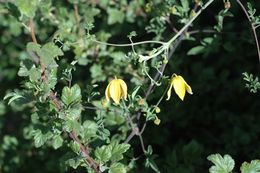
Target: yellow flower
x,y
157,110
180,86
116,89
157,121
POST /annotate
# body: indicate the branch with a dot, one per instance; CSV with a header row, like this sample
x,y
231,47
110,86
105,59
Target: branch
x,y
252,26
58,104
32,31
90,161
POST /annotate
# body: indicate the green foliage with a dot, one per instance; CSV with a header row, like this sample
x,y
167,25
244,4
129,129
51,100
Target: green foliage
x,y
255,19
252,83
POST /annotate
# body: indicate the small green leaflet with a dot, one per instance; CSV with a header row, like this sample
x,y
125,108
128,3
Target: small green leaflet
x,y
221,164
252,167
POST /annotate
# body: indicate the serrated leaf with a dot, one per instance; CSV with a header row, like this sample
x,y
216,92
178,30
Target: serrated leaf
x,y
89,129
252,167
27,7
115,16
71,95
222,164
33,47
117,168
57,141
34,74
195,50
103,154
117,151
48,52
74,162
71,125
39,138
25,67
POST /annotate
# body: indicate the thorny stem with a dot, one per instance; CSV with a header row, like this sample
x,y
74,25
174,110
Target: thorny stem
x,y
253,27
57,103
32,31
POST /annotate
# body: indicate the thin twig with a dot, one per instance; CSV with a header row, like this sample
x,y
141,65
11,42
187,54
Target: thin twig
x,y
129,44
142,142
252,26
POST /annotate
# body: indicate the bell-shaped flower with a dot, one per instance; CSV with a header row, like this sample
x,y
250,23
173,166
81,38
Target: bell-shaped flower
x,y
180,87
116,89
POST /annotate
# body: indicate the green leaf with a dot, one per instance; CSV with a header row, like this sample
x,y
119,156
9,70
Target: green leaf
x,y
13,96
103,153
74,113
135,92
57,141
117,151
25,67
34,74
149,162
195,50
222,164
97,73
191,151
252,167
27,7
89,129
74,162
114,16
33,47
34,117
185,5
71,95
117,168
71,125
39,138
48,52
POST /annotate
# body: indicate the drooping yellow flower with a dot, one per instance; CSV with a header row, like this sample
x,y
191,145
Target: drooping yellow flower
x,y
157,121
116,89
180,87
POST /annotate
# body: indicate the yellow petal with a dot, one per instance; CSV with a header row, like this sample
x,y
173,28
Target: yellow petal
x,y
115,90
188,88
123,88
179,86
169,92
107,92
